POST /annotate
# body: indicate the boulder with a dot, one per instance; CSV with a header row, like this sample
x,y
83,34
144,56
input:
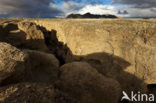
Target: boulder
x,y
26,65
84,83
33,93
12,63
44,66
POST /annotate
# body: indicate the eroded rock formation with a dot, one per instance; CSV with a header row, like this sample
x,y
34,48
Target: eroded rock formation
x,y
133,41
90,61
26,65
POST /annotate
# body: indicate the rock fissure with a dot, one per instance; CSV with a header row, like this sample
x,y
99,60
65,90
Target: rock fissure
x,y
82,66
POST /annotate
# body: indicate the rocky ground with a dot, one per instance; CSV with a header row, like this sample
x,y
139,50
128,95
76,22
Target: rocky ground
x,y
75,61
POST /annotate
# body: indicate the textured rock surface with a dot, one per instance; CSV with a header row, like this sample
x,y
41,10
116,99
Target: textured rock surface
x,y
83,82
132,40
23,35
33,93
27,65
44,66
34,35
120,55
28,35
12,62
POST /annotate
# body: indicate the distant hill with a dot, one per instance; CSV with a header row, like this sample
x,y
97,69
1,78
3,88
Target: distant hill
x,y
89,15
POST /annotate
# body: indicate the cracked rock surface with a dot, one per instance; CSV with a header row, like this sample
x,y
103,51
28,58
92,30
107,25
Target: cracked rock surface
x,y
90,61
132,40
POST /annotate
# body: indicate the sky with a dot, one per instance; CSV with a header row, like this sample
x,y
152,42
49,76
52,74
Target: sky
x,y
62,8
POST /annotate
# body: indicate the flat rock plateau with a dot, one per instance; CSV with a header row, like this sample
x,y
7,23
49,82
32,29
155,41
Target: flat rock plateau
x,y
76,60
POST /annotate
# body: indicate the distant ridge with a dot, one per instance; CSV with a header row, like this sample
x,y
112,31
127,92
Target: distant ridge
x,y
89,15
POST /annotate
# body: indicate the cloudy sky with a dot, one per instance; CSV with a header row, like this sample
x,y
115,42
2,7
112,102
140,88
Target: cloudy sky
x,y
61,8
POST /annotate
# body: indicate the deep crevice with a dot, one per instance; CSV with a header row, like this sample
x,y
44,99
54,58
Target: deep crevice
x,y
61,51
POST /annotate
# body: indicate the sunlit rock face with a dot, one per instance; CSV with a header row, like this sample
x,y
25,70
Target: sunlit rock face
x,y
83,59
132,40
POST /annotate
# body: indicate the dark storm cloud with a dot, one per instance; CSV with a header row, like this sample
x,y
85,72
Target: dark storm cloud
x,y
137,3
37,8
28,8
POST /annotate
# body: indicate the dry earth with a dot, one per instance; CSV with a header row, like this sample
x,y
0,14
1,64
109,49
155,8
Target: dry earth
x,y
76,61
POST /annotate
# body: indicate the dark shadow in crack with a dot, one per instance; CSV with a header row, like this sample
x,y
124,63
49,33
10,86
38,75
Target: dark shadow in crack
x,y
61,51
